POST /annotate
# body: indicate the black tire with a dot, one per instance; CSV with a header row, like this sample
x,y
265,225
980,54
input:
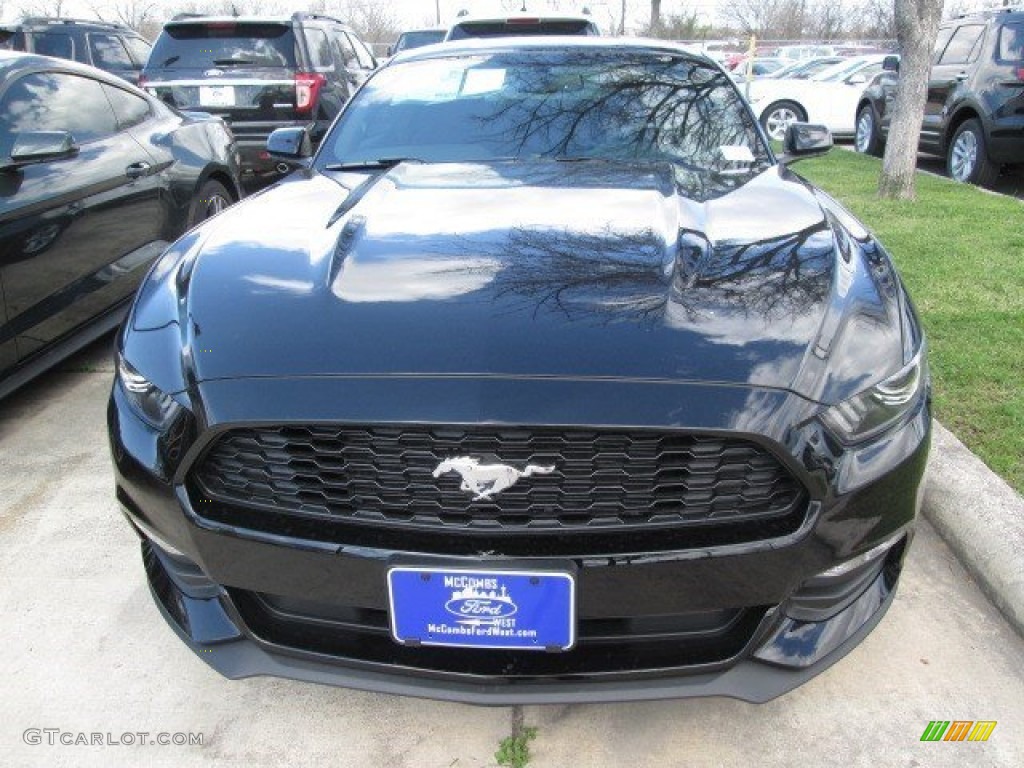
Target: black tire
x,y
868,138
967,156
778,115
212,198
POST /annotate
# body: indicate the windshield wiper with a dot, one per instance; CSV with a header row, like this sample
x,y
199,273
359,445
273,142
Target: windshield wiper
x,y
383,163
232,62
171,60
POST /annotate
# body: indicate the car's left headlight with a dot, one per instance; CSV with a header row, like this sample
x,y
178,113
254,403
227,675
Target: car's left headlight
x,y
877,408
152,405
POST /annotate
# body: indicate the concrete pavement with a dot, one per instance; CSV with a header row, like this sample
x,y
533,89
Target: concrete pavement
x,y
87,652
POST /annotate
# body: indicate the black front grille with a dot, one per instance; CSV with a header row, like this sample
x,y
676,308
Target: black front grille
x,y
598,479
635,646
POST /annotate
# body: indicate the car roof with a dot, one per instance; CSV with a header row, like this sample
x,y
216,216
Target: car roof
x,y
269,19
542,15
549,42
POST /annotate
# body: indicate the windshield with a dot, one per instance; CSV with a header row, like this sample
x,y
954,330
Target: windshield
x,y
583,104
223,44
410,40
841,70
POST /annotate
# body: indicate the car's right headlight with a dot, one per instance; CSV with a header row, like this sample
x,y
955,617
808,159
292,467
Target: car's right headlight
x,y
877,408
152,405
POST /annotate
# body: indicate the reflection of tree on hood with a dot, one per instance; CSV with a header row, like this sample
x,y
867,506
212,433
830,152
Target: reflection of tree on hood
x,y
613,275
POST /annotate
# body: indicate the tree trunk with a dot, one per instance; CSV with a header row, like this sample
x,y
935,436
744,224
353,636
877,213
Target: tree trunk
x,y
655,16
917,24
622,20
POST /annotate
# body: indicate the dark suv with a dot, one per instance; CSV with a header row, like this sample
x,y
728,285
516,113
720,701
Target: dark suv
x,y
111,47
974,115
259,74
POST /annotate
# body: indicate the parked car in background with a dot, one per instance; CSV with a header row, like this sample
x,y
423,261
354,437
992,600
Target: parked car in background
x,y
829,97
96,179
113,48
801,52
259,74
759,67
416,38
521,23
974,115
587,398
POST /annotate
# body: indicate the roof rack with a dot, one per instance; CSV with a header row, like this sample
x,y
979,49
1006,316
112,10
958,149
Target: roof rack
x,y
62,20
990,12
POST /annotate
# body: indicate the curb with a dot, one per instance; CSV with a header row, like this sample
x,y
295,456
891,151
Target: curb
x,y
981,518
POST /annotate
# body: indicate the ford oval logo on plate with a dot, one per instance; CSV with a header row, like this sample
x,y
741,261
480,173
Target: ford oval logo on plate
x,y
471,603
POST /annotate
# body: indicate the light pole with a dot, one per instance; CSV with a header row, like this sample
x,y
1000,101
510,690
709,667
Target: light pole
x,y
437,8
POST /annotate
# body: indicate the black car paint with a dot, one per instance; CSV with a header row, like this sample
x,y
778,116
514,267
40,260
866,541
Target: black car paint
x,y
742,306
983,88
77,234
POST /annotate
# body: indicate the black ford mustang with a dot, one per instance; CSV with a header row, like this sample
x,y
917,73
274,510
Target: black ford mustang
x,y
542,381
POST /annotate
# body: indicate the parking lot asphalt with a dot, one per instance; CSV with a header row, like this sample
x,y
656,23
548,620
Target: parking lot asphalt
x,y
86,652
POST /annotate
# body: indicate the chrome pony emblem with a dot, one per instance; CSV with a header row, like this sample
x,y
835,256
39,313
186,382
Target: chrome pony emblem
x,y
485,480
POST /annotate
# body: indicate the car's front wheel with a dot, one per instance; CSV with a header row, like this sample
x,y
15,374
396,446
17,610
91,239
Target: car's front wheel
x,y
777,117
212,198
868,139
967,157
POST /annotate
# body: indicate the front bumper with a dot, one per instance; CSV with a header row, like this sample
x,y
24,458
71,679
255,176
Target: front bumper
x,y
749,620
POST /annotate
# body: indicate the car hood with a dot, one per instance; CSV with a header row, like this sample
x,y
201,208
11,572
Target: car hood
x,y
581,270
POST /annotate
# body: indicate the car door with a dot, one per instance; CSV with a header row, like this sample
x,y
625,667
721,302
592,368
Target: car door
x,y
75,232
947,73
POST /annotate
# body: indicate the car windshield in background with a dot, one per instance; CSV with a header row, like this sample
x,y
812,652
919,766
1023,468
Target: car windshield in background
x,y
410,40
224,44
838,71
522,27
1011,42
544,104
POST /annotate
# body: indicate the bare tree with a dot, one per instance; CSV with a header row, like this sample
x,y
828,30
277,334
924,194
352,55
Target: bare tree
x,y
827,20
779,19
51,8
136,14
917,24
655,24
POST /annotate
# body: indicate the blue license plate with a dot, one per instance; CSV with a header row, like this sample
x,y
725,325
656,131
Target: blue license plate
x,y
522,610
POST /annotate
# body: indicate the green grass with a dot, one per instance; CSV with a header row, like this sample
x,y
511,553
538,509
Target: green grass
x,y
514,751
961,253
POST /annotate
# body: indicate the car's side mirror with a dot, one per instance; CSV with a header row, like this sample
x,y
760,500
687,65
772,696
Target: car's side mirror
x,y
805,140
290,144
32,147
891,64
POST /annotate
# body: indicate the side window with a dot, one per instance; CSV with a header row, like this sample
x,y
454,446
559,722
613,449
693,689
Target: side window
x,y
139,49
108,52
53,44
963,41
941,40
45,101
364,56
319,49
1011,42
129,109
346,53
